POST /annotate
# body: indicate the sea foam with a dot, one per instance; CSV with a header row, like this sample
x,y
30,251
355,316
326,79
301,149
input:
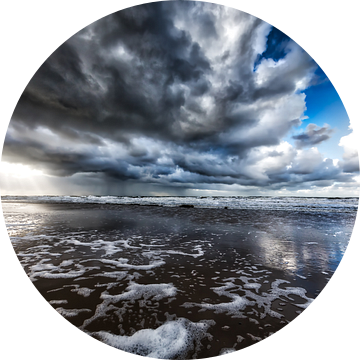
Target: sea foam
x,y
174,339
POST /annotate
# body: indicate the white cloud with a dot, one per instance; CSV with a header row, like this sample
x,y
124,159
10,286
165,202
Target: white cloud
x,y
306,161
266,160
350,156
297,66
276,118
349,143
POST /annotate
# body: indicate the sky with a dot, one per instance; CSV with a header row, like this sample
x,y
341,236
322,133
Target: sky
x,y
180,98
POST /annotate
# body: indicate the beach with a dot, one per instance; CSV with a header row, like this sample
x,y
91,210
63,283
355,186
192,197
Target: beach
x,y
179,277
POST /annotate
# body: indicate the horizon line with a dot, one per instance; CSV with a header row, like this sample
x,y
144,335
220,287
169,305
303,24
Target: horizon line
x,y
186,196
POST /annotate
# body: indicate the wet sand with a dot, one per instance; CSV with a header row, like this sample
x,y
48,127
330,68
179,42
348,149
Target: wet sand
x,y
199,281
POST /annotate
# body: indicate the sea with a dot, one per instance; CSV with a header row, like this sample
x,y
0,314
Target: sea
x,y
179,277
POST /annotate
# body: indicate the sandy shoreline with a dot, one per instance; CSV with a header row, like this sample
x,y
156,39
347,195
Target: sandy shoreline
x,y
223,278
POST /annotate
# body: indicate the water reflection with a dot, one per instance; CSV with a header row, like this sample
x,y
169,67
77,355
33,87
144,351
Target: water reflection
x,y
306,248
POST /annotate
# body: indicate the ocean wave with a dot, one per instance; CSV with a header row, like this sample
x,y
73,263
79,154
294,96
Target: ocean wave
x,y
348,204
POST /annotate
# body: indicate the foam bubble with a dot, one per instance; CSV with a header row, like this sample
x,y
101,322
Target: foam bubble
x,y
239,338
197,248
50,271
138,291
263,301
85,292
254,286
226,351
301,292
67,262
174,339
53,275
70,312
122,263
254,338
118,275
58,302
231,308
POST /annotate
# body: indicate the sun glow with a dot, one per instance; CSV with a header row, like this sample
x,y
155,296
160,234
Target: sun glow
x,y
18,170
19,179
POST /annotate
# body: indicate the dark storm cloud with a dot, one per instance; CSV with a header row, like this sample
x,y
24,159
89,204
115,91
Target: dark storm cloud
x,y
208,29
107,94
313,135
163,93
62,162
118,97
58,162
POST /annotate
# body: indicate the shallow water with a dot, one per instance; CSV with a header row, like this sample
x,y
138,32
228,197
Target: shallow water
x,y
175,282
